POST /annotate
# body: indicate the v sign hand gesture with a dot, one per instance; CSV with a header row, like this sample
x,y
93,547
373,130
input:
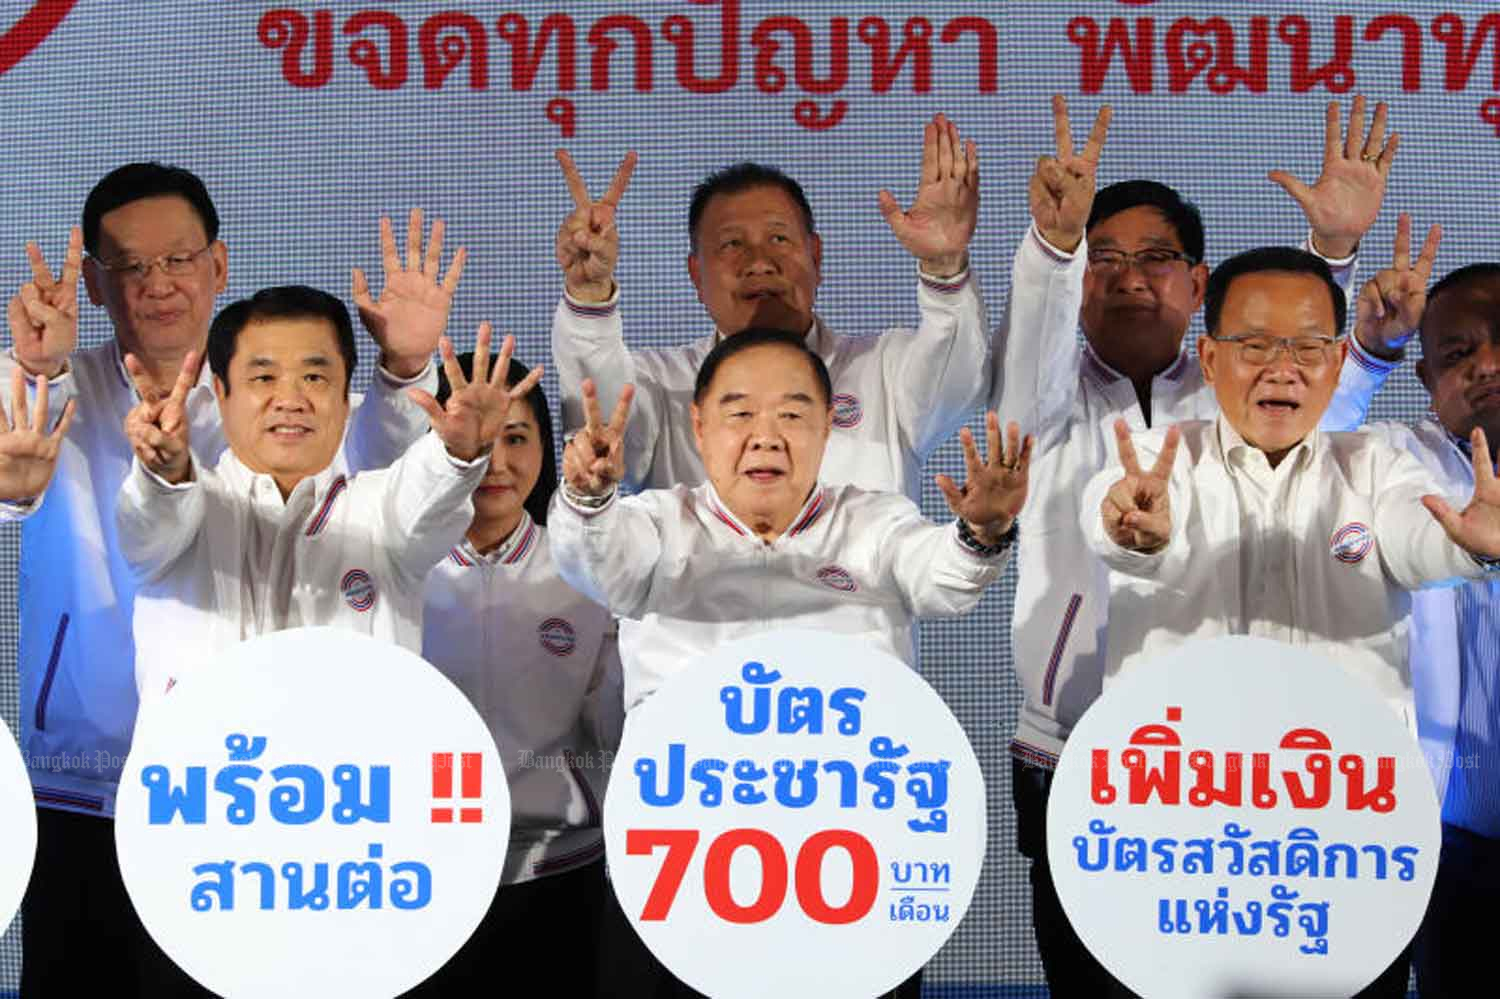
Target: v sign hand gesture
x,y
43,314
588,243
157,427
1061,192
594,459
1389,308
1137,510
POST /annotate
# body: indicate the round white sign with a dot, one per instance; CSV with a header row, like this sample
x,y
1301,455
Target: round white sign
x,y
797,814
316,813
18,820
1243,817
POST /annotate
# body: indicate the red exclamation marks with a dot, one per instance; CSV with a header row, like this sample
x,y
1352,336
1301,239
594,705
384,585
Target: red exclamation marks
x,y
442,785
472,785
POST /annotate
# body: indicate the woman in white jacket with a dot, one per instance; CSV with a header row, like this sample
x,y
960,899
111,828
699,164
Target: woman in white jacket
x,y
539,662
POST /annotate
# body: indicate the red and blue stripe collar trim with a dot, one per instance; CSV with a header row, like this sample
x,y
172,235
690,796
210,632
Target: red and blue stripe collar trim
x,y
515,548
320,519
811,512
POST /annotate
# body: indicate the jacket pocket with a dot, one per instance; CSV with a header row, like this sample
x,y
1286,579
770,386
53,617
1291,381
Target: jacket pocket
x,y
51,674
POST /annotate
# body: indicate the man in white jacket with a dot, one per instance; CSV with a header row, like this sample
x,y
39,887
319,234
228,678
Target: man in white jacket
x,y
763,543
1262,524
1127,268
279,533
155,264
756,259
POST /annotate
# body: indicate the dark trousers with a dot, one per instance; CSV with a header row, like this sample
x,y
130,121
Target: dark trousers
x,y
78,926
1453,948
628,968
549,925
1071,970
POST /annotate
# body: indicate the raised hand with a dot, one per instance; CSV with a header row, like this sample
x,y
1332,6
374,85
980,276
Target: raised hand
x,y
157,427
594,458
1389,307
1343,202
412,311
1061,192
1477,529
588,243
995,490
1137,510
470,420
28,453
43,314
936,229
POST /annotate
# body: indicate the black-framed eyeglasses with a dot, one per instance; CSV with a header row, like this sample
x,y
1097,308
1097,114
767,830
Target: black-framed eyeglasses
x,y
178,264
1306,351
1153,261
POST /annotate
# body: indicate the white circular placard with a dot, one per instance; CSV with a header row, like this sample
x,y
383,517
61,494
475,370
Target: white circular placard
x,y
18,820
315,813
1243,817
796,814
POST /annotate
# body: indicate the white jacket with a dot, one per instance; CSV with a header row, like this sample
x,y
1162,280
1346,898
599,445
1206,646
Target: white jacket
x,y
77,654
1348,538
222,558
540,663
1050,382
694,576
897,396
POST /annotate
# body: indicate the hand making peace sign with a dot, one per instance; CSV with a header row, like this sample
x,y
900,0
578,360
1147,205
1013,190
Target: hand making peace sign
x,y
1137,510
157,427
1061,192
1389,307
594,458
43,314
588,243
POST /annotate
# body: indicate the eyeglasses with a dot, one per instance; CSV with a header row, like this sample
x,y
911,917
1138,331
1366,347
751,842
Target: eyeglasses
x,y
1154,262
1306,351
172,265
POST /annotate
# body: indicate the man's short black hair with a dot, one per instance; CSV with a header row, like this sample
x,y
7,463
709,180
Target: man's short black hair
x,y
135,181
1283,259
290,301
540,496
760,336
744,176
1469,272
1181,214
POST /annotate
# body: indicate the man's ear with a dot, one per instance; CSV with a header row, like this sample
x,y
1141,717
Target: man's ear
x,y
1208,352
693,275
1424,374
697,416
1199,276
93,280
220,256
221,391
816,245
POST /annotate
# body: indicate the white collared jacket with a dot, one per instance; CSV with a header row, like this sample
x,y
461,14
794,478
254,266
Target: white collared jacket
x,y
1348,541
1050,382
221,558
77,650
896,396
541,665
694,576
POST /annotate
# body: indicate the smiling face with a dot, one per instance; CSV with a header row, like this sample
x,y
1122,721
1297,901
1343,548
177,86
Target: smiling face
x,y
159,313
286,401
761,428
754,263
1460,362
515,466
1273,406
1135,322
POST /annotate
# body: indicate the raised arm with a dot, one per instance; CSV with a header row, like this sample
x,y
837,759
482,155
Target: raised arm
x,y
161,506
1387,314
406,321
1133,517
588,339
428,503
605,548
1036,350
935,378
28,450
1476,528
